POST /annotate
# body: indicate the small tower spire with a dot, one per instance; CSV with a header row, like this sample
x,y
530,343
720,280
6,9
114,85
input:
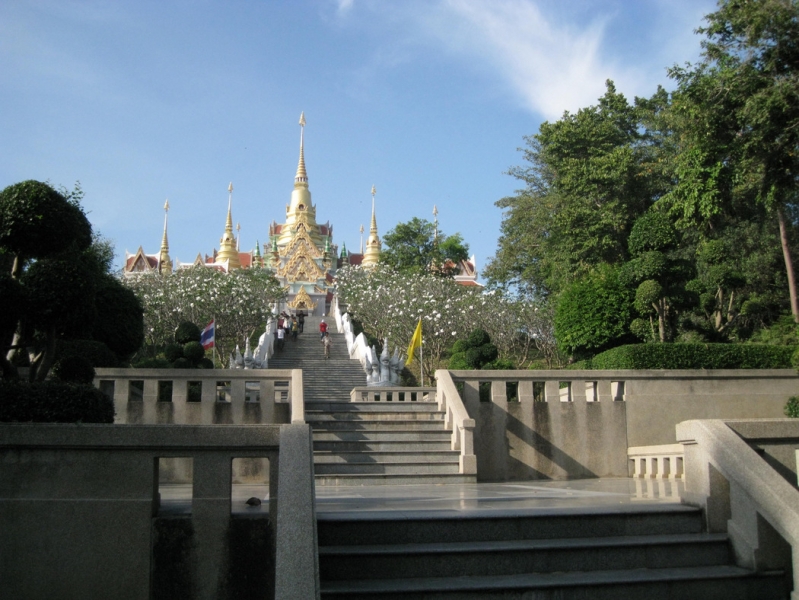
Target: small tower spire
x,y
164,262
238,235
228,244
302,176
372,254
361,238
435,224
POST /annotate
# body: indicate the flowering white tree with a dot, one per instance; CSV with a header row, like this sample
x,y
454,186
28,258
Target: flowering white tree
x,y
389,304
240,301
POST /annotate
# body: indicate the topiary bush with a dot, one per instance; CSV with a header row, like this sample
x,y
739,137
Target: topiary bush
x,y
193,352
792,407
474,352
187,332
695,356
182,363
152,363
74,369
98,354
173,352
54,402
205,363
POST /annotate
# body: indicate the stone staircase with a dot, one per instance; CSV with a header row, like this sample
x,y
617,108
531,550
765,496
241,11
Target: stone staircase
x,y
650,554
365,443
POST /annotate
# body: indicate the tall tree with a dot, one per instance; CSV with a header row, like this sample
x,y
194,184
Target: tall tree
x,y
588,177
419,247
738,116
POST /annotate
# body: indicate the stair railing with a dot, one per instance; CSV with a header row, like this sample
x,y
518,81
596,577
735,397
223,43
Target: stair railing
x,y
297,397
457,419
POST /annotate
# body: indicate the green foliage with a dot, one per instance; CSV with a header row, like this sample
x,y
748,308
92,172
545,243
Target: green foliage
x,y
172,352
36,221
593,313
475,352
182,363
792,407
194,352
54,402
652,231
55,288
588,177
74,369
205,363
152,363
413,248
187,332
694,356
97,353
119,320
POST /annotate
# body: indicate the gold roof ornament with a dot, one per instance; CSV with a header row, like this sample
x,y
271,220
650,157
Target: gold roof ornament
x,y
371,255
302,176
302,300
164,262
228,244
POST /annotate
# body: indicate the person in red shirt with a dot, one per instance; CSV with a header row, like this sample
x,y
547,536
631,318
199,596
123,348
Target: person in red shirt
x,y
322,329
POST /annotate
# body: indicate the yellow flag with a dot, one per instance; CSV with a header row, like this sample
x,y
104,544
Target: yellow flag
x,y
416,340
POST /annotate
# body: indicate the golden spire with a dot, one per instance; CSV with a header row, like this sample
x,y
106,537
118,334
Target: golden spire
x,y
228,244
164,262
372,255
302,176
164,240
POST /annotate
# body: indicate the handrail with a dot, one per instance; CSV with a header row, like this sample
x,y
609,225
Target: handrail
x,y
297,397
755,490
457,419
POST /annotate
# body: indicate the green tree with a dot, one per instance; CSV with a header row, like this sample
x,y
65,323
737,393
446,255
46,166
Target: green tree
x,y
414,247
593,313
738,116
659,276
588,177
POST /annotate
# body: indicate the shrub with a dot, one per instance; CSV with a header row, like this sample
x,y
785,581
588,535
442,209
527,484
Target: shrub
x,y
152,363
193,351
97,353
187,332
54,402
792,407
74,369
694,356
182,363
173,352
205,363
473,353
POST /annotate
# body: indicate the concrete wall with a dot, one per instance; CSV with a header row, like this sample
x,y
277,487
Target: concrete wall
x,y
78,504
583,421
545,440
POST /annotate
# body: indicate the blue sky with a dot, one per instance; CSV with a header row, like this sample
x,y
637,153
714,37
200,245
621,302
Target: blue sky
x,y
428,100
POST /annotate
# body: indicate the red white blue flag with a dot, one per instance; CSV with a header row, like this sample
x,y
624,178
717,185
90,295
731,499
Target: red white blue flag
x,y
207,336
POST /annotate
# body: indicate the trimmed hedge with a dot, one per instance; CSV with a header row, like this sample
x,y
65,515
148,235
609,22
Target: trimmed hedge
x,y
691,356
97,353
54,402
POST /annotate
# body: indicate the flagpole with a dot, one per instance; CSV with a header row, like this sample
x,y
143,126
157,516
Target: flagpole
x,y
214,319
421,362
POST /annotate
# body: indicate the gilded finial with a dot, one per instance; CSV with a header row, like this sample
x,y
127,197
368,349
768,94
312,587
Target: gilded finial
x,y
166,204
302,176
230,187
374,191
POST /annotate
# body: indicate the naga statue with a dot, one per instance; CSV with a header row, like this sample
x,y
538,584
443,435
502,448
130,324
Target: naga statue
x,y
385,370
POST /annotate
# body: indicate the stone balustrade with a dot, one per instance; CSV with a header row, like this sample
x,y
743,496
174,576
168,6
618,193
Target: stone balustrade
x,y
578,423
657,462
204,396
740,473
457,419
82,511
393,394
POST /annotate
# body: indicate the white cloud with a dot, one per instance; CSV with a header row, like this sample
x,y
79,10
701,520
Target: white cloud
x,y
548,60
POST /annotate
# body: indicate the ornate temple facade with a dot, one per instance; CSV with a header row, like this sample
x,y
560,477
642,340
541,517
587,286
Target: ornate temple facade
x,y
299,251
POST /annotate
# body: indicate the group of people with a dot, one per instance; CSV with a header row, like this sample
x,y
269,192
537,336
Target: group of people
x,y
288,325
292,325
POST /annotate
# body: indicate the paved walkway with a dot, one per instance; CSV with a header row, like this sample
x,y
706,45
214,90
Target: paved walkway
x,y
528,497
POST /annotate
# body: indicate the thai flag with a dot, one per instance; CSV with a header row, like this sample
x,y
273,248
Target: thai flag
x,y
207,336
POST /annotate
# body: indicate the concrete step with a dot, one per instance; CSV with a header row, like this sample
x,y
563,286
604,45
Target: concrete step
x,y
372,457
708,583
522,556
347,406
374,435
359,446
378,425
386,528
396,479
314,417
402,468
